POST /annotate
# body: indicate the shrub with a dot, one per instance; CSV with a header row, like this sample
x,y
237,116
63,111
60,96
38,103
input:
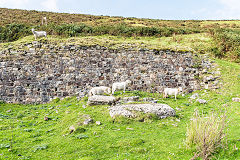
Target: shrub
x,y
206,134
12,32
228,43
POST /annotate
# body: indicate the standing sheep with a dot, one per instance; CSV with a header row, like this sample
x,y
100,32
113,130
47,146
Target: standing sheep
x,y
99,90
39,33
120,86
44,20
172,91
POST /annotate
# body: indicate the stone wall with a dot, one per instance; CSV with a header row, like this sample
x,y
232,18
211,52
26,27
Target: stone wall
x,y
44,71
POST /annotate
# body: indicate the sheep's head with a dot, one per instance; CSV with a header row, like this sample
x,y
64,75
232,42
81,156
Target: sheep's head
x,y
33,29
128,82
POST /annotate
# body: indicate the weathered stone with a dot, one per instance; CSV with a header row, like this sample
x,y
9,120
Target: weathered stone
x,y
130,99
98,123
160,110
47,70
236,99
101,100
202,101
88,121
194,96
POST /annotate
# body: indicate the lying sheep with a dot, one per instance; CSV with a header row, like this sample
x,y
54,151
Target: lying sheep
x,y
39,33
120,86
99,90
172,91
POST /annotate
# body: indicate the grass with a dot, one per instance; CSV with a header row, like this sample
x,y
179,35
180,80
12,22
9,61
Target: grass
x,y
25,135
197,43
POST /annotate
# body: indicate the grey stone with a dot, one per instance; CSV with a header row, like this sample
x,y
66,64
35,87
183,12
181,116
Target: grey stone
x,y
236,99
130,99
98,123
202,101
160,110
101,100
87,121
194,96
46,70
32,50
148,99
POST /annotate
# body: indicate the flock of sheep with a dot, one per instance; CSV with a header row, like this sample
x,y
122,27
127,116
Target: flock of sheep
x,y
117,85
123,85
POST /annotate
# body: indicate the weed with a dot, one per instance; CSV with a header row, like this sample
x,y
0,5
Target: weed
x,y
206,134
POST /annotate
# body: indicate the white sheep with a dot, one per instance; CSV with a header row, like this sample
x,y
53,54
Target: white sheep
x,y
99,90
44,20
120,86
38,33
172,91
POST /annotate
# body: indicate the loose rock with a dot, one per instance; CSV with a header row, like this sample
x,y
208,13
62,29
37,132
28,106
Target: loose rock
x,y
236,99
160,110
194,96
88,121
130,99
202,101
98,122
101,100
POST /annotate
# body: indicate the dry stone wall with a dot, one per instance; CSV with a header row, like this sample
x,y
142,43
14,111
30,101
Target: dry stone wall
x,y
45,71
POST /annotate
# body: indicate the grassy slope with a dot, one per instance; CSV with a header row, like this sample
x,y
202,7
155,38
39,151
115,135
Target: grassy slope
x,y
35,138
198,43
34,18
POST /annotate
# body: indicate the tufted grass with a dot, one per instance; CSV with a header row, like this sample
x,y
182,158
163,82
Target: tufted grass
x,y
25,135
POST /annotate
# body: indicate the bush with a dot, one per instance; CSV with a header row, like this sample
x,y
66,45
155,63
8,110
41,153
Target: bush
x,y
12,32
206,134
228,43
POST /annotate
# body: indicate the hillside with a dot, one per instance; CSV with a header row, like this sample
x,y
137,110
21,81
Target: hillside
x,y
224,35
81,50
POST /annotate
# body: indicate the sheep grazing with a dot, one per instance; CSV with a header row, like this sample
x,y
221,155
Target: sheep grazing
x,y
39,33
99,90
172,91
44,20
120,86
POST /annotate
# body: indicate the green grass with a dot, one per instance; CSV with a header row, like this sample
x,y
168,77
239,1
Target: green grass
x,y
197,43
25,135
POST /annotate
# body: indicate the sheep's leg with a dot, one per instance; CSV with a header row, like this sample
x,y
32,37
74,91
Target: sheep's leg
x,y
113,90
175,96
164,95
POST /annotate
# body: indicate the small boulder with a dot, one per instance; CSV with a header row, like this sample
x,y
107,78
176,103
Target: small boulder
x,y
98,123
88,121
194,96
129,110
130,99
236,99
202,101
101,100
